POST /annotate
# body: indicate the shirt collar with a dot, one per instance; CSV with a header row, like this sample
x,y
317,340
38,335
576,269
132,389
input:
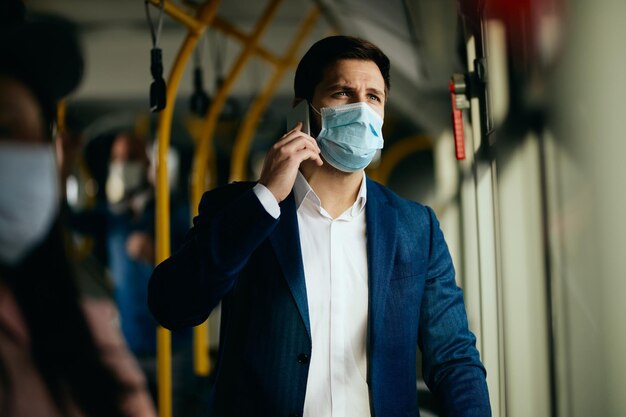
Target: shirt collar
x,y
302,190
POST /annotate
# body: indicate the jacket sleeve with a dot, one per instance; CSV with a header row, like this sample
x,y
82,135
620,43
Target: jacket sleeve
x,y
451,363
230,225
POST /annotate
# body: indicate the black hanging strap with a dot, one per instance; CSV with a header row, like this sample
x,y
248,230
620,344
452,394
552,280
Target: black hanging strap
x,y
199,101
158,88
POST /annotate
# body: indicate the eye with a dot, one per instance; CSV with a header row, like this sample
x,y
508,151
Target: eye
x,y
341,93
373,97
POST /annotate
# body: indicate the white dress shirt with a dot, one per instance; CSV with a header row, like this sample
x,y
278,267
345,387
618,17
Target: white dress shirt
x,y
334,255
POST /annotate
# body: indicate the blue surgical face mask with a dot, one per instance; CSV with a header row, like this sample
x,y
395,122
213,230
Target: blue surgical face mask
x,y
124,177
29,201
350,136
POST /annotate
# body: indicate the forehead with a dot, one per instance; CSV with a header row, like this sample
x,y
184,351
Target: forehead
x,y
353,72
127,146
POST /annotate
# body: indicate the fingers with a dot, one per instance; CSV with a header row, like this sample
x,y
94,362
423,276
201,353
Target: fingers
x,y
318,160
304,154
290,134
295,143
298,126
294,134
283,159
298,144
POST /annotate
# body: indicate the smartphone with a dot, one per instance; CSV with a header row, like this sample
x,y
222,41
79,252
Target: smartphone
x,y
300,113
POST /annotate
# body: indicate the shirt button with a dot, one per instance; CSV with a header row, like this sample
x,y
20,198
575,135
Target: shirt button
x,y
303,358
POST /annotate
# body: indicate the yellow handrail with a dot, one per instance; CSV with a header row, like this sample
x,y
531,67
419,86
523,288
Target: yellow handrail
x,y
230,29
204,16
204,145
204,155
241,148
218,23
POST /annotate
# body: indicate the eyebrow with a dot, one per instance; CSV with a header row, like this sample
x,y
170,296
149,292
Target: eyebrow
x,y
350,88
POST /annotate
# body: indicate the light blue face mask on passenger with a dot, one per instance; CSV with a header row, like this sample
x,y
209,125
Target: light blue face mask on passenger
x,y
350,136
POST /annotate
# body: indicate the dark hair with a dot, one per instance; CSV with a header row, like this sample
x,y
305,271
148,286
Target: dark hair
x,y
62,346
41,51
330,50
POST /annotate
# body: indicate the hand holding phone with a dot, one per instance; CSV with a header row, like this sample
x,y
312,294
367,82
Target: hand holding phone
x,y
285,156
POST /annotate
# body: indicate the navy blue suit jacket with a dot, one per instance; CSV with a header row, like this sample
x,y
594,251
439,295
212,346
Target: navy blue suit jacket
x,y
238,254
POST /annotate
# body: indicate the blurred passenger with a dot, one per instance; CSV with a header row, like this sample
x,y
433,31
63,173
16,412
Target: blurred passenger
x,y
128,219
58,356
130,222
130,237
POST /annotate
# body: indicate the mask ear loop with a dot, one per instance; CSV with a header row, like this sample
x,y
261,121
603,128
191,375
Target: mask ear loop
x,y
315,110
157,88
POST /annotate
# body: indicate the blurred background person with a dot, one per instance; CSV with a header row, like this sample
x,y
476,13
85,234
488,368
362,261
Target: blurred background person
x,y
130,220
59,354
126,219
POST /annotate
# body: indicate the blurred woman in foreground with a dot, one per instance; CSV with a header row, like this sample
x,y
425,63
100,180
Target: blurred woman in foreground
x,y
59,356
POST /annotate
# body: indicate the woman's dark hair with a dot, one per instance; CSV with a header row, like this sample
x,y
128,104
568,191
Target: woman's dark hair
x,y
43,52
330,50
62,345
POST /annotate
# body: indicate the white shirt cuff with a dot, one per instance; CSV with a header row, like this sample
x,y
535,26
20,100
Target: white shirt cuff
x,y
267,199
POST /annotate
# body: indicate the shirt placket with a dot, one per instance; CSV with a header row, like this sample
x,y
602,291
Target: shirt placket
x,y
338,317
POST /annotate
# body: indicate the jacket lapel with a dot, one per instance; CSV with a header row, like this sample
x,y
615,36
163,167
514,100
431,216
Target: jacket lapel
x,y
286,242
381,220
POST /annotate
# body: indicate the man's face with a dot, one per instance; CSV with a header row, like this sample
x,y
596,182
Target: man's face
x,y
349,81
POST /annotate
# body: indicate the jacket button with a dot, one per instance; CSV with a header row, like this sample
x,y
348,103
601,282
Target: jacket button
x,y
304,358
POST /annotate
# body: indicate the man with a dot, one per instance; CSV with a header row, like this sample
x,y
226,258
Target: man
x,y
328,281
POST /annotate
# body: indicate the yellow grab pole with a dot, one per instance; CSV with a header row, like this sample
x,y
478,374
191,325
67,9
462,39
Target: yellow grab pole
x,y
229,29
397,152
203,154
218,23
164,368
204,145
241,148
